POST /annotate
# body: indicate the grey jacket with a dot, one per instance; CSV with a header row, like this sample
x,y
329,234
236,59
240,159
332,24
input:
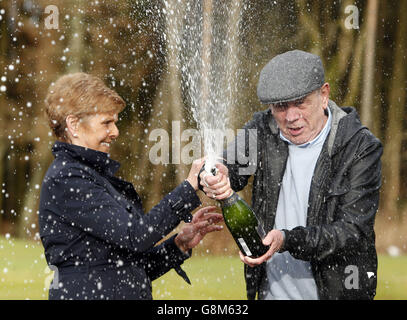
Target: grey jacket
x,y
339,238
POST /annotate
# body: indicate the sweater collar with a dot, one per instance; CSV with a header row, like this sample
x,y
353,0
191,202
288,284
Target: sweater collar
x,y
98,160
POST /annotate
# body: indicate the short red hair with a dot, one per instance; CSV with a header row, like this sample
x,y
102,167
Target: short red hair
x,y
78,94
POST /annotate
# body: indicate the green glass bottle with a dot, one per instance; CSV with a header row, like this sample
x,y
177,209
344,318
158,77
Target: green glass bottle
x,y
242,224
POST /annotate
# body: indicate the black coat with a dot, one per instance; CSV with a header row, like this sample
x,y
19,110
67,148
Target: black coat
x,y
338,239
95,232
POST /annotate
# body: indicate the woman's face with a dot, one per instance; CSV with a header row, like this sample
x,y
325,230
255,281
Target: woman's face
x,y
97,131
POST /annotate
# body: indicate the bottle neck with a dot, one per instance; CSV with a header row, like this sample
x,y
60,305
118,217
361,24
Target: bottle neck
x,y
229,201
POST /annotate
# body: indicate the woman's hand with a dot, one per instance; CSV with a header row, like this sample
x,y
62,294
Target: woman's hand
x,y
217,187
203,222
193,173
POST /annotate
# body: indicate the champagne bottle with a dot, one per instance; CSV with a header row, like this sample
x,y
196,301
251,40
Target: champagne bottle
x,y
242,224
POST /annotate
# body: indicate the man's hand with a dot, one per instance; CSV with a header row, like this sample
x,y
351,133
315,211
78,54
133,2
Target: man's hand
x,y
217,187
203,222
274,239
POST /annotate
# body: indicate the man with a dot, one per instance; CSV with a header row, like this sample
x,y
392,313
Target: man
x,y
315,189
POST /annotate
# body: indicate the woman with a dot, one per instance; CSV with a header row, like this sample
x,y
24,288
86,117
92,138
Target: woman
x,y
92,224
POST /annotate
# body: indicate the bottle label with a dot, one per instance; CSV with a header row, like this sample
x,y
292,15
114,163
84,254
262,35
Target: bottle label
x,y
245,247
230,201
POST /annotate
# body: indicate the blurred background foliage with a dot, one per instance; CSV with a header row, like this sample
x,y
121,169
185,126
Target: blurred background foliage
x,y
128,44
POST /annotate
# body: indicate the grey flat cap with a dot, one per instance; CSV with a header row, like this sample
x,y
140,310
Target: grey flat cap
x,y
290,76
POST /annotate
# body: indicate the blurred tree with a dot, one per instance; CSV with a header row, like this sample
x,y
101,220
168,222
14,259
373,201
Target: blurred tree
x,y
168,111
395,113
112,41
367,111
134,46
20,35
46,71
3,102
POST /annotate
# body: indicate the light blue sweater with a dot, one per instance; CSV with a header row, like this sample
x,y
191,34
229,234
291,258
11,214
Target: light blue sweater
x,y
289,278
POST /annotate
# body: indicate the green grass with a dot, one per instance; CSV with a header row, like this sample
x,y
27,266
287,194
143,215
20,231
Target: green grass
x,y
23,270
24,275
392,278
212,278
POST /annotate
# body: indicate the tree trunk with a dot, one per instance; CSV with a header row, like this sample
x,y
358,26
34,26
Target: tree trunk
x,y
27,225
310,24
76,41
173,80
3,148
168,103
41,156
3,120
340,60
355,74
396,108
369,66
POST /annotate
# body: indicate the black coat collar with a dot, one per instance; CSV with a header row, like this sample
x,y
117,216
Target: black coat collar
x,y
98,160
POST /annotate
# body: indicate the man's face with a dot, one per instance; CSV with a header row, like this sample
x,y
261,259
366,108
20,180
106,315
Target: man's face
x,y
302,120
